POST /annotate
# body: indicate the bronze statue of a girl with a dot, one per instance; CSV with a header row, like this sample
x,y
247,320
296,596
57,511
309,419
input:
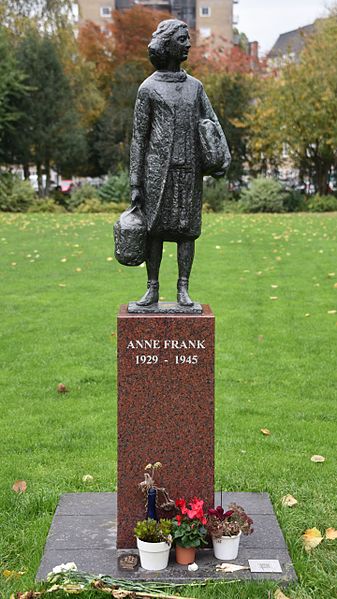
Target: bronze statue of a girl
x,y
177,139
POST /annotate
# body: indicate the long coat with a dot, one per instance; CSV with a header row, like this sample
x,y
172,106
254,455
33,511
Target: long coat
x,y
165,157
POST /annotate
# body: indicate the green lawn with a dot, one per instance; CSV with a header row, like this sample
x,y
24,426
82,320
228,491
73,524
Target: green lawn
x,y
275,367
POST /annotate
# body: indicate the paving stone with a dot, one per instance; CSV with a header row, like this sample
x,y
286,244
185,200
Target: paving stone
x,y
84,531
253,503
82,504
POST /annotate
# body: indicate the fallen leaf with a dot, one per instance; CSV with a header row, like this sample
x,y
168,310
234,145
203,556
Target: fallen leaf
x,y
331,534
311,538
266,432
229,568
87,478
274,286
19,486
261,338
289,501
274,297
317,458
279,595
64,260
61,388
62,285
109,259
12,573
306,315
332,311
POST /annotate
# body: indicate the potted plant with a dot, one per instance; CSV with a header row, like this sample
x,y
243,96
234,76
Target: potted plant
x,y
188,529
226,528
154,543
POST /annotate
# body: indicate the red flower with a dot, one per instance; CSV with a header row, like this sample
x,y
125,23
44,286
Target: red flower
x,y
178,518
181,504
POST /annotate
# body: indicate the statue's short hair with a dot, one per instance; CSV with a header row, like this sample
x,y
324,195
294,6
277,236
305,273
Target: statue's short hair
x,y
158,47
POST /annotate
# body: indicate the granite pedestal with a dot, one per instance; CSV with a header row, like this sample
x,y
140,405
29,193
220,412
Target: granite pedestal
x,y
84,531
165,409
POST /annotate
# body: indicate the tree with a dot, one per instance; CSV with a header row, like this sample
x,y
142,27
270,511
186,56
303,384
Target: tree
x,y
49,14
299,107
124,40
48,132
11,84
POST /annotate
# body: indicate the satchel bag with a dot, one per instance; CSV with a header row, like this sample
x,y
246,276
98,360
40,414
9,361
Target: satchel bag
x,y
215,153
130,234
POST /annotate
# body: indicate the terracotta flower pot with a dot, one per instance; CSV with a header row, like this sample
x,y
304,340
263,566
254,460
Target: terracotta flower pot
x,y
185,555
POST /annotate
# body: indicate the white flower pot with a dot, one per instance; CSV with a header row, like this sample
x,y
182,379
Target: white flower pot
x,y
226,548
153,556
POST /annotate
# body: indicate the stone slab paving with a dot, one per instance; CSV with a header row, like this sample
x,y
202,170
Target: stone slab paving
x,y
83,531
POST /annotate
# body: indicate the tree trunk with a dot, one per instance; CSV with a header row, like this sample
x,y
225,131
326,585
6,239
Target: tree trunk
x,y
39,179
26,171
47,169
322,177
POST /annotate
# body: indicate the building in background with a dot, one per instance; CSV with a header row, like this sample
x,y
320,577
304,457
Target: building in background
x,y
208,17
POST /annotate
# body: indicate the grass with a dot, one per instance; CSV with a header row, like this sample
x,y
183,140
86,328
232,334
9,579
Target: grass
x,y
275,368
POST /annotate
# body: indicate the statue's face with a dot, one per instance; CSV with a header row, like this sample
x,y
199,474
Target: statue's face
x,y
180,44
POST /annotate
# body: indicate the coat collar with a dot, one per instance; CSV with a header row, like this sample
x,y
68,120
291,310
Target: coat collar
x,y
170,76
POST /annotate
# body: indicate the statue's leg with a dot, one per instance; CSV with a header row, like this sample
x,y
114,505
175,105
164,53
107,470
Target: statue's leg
x,y
185,261
155,252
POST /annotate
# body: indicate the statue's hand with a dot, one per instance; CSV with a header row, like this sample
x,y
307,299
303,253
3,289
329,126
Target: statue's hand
x,y
136,197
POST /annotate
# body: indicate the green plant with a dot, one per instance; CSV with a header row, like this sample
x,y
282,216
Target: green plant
x,y
45,205
294,201
15,195
80,195
152,531
116,189
215,194
188,528
263,195
229,523
319,203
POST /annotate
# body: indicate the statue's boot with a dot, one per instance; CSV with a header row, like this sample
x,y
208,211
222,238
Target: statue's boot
x,y
151,296
182,297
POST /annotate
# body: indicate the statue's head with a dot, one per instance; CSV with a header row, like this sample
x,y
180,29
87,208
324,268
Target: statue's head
x,y
171,40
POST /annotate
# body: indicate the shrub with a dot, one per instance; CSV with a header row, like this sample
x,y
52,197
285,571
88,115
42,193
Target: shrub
x,y
15,195
319,203
80,195
45,205
216,193
264,195
116,189
95,205
294,201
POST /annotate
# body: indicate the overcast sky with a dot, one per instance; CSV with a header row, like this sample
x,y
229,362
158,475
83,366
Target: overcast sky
x,y
265,20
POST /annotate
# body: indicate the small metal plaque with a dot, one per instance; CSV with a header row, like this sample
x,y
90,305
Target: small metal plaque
x,y
128,562
265,565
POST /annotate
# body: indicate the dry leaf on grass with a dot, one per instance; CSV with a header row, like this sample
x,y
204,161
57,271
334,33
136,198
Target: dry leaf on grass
x,y
279,595
289,501
61,388
266,432
19,486
331,534
311,538
87,478
317,459
229,568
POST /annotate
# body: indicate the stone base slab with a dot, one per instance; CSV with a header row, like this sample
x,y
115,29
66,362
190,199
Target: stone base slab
x,y
84,530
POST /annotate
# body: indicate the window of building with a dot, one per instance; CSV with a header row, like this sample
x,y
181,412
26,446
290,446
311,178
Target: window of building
x,y
205,11
205,31
106,11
